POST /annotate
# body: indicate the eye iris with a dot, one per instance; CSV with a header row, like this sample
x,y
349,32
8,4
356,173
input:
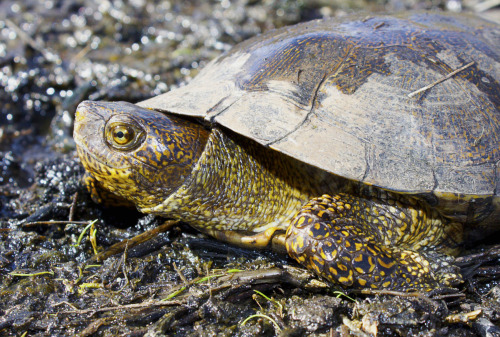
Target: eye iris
x,y
123,135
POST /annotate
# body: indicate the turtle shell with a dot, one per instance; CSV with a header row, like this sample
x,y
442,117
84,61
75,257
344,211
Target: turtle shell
x,y
342,95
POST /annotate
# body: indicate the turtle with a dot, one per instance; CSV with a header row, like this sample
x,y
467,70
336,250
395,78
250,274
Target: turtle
x,y
365,147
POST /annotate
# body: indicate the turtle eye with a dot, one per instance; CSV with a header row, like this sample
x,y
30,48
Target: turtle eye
x,y
123,136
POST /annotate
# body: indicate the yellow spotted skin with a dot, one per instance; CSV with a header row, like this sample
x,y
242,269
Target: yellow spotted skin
x,y
238,186
366,242
156,161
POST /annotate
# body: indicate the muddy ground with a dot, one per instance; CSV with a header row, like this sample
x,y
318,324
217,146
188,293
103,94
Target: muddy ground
x,y
71,267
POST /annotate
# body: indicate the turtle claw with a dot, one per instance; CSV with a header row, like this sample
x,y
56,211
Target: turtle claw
x,y
445,271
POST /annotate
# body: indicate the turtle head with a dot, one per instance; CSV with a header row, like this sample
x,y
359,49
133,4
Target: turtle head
x,y
138,154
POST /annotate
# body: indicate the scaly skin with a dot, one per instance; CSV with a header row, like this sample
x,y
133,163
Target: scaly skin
x,y
374,241
243,193
239,186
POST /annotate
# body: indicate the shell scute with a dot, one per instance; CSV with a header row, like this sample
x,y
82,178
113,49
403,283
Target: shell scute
x,y
337,94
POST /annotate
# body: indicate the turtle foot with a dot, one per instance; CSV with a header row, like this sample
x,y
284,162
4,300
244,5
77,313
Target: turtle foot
x,y
330,237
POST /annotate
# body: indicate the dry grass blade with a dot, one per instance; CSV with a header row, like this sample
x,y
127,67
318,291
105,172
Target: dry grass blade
x,y
453,73
130,243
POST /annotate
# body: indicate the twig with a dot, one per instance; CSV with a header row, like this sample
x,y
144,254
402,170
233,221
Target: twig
x,y
124,268
72,208
130,243
181,275
66,303
120,307
427,87
485,256
445,296
415,294
56,222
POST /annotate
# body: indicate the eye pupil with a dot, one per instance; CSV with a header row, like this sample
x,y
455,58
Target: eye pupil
x,y
123,136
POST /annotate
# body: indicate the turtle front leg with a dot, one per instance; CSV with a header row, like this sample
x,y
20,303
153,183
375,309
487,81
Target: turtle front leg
x,y
371,243
102,196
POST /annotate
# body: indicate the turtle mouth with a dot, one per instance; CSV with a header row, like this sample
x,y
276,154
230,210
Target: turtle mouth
x,y
85,150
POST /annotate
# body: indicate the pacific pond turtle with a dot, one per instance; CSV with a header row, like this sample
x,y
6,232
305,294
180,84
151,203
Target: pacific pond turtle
x,y
367,147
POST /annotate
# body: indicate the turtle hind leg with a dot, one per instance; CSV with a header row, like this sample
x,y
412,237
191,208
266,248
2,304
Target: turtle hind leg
x,y
362,243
